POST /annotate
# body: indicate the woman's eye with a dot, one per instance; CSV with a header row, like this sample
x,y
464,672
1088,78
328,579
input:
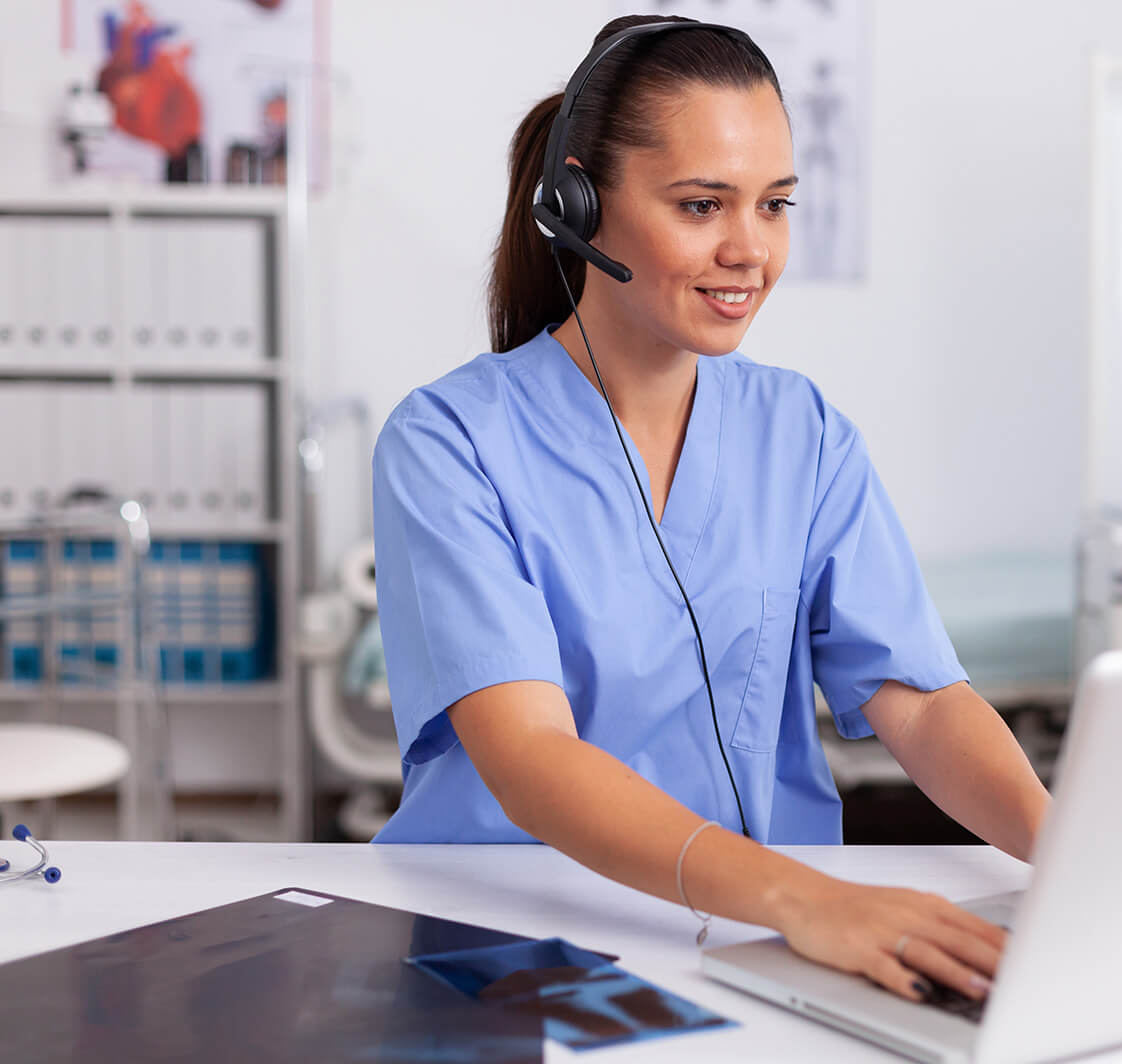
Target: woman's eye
x,y
700,208
779,206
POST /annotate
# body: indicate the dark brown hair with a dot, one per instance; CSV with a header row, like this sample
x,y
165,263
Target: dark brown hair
x,y
616,110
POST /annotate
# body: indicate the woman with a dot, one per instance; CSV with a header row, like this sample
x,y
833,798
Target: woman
x,y
546,678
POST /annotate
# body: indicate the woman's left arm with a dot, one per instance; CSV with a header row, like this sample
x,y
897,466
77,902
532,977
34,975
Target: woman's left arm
x,y
963,756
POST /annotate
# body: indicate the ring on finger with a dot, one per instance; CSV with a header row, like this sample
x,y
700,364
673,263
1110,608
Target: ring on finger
x,y
901,946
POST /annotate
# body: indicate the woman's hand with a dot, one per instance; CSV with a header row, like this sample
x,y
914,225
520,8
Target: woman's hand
x,y
900,939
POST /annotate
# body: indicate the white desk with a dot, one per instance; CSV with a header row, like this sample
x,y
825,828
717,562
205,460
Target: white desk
x,y
528,890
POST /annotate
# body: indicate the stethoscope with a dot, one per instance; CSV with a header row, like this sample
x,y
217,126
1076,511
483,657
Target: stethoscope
x,y
47,872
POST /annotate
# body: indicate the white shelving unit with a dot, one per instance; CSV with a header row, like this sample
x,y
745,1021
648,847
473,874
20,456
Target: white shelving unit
x,y
193,309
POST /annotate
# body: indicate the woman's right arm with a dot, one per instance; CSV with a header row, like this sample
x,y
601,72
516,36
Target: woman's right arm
x,y
577,798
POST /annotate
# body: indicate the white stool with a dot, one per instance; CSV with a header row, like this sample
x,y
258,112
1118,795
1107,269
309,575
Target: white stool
x,y
39,761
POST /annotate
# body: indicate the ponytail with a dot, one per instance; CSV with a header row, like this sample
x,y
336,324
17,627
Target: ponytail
x,y
525,293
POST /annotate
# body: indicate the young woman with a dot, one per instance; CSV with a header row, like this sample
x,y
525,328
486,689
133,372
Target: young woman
x,y
546,677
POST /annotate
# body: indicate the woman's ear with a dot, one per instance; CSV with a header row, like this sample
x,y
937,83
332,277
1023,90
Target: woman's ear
x,y
574,159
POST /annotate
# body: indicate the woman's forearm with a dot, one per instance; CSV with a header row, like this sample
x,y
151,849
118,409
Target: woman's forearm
x,y
963,756
588,804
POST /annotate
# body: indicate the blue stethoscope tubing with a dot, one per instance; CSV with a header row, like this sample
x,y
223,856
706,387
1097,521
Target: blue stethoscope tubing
x,y
48,872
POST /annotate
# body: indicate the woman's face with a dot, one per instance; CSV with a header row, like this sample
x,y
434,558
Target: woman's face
x,y
701,216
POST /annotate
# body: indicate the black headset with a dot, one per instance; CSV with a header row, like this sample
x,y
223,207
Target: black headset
x,y
566,207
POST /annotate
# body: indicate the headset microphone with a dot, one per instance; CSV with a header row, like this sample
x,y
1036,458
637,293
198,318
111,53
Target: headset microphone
x,y
552,226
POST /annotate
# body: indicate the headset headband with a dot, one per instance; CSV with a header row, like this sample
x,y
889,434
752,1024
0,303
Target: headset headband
x,y
548,210
554,167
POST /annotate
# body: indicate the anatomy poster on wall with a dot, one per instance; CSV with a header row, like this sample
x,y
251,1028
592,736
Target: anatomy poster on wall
x,y
818,49
199,91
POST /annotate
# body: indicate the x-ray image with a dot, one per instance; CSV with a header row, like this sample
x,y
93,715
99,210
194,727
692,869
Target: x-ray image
x,y
818,49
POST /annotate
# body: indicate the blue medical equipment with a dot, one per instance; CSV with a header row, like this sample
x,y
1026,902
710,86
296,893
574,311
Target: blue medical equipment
x,y
48,872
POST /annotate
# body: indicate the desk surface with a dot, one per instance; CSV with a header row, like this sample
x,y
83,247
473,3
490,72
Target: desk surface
x,y
527,890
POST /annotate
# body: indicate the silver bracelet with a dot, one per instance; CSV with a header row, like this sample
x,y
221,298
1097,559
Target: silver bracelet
x,y
704,932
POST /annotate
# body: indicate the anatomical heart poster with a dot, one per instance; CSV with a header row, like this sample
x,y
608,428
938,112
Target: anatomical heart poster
x,y
199,89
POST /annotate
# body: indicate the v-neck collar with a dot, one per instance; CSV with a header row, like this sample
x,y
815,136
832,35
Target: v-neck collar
x,y
691,490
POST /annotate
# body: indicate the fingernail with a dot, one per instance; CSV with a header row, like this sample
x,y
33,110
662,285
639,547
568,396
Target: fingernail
x,y
923,988
980,982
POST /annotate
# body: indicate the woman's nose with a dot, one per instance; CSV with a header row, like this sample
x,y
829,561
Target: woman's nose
x,y
744,245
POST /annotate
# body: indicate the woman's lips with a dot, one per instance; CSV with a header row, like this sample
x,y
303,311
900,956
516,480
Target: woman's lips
x,y
733,311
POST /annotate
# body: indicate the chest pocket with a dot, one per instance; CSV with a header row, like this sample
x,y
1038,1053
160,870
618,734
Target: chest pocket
x,y
757,726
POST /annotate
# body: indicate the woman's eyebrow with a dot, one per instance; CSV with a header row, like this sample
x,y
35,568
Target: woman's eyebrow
x,y
724,186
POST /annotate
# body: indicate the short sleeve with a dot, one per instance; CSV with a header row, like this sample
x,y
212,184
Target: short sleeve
x,y
457,610
871,617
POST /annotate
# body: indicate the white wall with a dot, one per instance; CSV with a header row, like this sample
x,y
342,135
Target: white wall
x,y
960,355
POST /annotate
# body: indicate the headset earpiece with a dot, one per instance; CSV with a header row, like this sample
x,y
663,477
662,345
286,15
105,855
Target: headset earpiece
x,y
580,205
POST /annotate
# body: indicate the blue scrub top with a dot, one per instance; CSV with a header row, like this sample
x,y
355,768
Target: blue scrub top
x,y
511,544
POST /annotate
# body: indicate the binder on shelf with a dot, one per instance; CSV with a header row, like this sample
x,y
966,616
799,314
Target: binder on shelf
x,y
212,609
106,575
86,428
22,576
161,574
84,323
251,477
185,430
88,637
146,265
194,610
72,628
28,291
49,265
158,407
185,278
240,627
214,294
216,458
9,273
14,430
102,289
146,437
69,252
85,639
240,449
37,425
239,305
231,466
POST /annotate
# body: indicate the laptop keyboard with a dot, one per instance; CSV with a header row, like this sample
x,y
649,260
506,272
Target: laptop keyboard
x,y
950,1000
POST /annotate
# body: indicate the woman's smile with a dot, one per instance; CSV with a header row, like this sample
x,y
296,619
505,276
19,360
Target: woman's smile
x,y
730,303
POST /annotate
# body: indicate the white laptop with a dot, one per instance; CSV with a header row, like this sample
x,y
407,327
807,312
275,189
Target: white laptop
x,y
1058,989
